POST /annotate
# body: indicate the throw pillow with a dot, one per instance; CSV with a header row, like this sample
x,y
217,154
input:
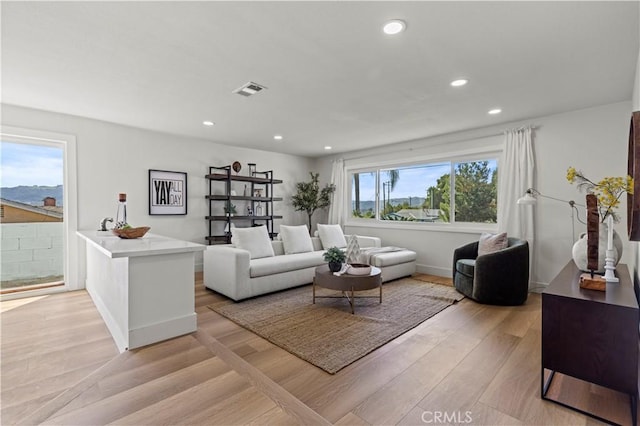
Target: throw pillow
x,y
353,250
490,243
255,240
331,236
296,239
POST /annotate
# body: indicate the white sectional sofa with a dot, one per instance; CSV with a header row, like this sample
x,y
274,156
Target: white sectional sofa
x,y
231,271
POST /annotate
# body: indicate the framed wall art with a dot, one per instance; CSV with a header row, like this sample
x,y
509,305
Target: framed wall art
x,y
167,192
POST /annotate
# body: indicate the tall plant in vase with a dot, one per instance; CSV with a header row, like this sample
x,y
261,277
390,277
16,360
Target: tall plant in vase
x,y
608,192
309,197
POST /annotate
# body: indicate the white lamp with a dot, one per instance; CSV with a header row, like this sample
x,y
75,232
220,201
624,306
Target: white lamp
x,y
530,198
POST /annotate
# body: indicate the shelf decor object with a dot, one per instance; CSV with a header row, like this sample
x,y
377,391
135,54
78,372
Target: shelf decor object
x,y
167,193
254,207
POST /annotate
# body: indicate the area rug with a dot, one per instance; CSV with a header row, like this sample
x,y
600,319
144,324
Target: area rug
x,y
326,334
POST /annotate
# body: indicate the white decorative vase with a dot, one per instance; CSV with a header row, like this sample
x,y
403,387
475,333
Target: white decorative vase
x,y
579,251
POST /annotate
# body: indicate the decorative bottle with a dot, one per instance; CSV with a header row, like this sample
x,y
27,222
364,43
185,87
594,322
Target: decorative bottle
x,y
121,216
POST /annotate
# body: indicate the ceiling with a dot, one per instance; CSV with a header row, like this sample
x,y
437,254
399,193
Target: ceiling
x,y
332,76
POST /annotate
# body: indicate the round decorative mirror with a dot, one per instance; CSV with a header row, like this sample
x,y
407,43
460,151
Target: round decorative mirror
x,y
633,200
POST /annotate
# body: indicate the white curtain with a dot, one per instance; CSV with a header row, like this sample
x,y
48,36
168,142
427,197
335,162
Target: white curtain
x,y
516,176
337,207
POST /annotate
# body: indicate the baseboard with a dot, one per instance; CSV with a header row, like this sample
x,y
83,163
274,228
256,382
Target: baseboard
x,y
162,331
537,287
433,270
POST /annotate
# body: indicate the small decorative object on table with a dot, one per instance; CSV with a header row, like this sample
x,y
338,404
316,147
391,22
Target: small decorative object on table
x,y
358,269
129,232
335,257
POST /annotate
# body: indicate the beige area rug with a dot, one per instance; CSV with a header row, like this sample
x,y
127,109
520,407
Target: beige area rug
x,y
326,334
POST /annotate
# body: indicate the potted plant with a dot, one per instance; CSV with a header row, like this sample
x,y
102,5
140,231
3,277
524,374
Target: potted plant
x,y
230,209
309,197
335,257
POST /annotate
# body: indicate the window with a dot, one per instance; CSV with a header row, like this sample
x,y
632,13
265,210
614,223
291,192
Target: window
x,y
422,192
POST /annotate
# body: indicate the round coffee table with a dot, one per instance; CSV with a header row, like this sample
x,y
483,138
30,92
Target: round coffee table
x,y
347,284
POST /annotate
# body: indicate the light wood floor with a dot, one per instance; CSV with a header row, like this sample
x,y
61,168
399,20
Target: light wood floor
x,y
477,363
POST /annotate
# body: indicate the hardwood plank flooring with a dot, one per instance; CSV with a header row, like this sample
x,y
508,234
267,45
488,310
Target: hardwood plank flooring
x,y
474,364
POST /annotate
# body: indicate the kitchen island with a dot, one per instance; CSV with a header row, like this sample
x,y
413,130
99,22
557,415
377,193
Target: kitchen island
x,y
143,288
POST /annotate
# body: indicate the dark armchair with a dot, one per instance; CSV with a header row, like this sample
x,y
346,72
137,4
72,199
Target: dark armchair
x,y
498,278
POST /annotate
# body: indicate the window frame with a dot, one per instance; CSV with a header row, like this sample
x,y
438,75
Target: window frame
x,y
479,154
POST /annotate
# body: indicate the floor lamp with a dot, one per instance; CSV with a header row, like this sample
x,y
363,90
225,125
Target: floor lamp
x,y
530,198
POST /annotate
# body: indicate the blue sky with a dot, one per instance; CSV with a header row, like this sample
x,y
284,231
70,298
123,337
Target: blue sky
x,y
27,164
413,181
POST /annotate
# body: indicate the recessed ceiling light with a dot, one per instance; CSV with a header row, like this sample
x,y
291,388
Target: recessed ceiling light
x,y
394,26
458,83
495,111
327,147
208,123
278,137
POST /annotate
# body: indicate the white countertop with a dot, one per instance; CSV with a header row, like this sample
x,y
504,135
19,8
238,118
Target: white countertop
x,y
149,245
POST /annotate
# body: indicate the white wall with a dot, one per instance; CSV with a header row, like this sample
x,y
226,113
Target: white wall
x,y
114,158
593,140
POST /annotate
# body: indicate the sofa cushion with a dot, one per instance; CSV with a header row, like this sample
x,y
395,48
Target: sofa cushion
x,y
255,240
392,258
296,239
331,236
280,264
490,243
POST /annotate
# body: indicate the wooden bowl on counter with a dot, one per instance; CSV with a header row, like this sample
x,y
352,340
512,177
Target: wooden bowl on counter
x,y
131,233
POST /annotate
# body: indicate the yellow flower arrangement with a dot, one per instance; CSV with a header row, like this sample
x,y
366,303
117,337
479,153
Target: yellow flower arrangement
x,y
608,190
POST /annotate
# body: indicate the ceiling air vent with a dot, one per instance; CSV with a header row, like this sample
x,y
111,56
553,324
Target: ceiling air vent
x,y
249,89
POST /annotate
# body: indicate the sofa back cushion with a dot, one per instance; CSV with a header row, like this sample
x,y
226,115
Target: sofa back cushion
x,y
278,246
331,236
296,239
255,240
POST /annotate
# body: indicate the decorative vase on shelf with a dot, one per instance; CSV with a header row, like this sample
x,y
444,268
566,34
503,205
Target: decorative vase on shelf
x,y
579,251
335,266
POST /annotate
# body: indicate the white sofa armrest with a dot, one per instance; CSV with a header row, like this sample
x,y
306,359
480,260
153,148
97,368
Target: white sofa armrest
x,y
226,270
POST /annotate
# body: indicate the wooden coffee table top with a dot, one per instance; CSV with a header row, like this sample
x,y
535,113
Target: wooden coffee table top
x,y
345,282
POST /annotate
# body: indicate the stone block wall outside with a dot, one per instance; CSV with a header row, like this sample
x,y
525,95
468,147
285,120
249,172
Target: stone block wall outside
x,y
30,251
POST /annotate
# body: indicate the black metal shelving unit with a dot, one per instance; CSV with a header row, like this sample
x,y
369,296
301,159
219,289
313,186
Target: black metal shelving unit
x,y
261,180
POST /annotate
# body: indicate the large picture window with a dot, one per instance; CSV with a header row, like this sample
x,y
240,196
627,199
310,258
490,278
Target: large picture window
x,y
463,191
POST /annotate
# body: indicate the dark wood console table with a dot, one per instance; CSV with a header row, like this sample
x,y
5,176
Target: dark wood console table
x,y
591,335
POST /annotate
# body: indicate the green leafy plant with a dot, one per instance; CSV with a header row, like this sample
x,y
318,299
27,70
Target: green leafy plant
x,y
334,254
309,197
230,208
